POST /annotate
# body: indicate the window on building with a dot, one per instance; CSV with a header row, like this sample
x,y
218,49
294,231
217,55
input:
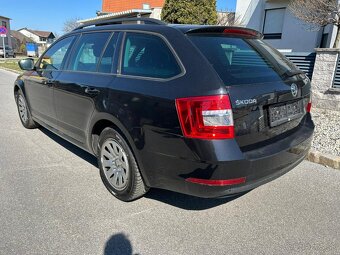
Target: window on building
x,y
324,41
4,24
273,23
88,53
148,56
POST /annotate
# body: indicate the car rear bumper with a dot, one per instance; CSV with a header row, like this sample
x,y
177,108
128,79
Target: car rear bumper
x,y
227,162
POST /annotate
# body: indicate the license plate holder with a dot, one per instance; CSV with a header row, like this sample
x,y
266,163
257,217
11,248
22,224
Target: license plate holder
x,y
279,114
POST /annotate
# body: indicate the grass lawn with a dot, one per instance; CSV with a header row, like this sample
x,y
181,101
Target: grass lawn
x,y
10,64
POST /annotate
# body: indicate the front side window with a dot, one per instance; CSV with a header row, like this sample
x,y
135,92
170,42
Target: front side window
x,y
148,56
273,23
88,52
54,58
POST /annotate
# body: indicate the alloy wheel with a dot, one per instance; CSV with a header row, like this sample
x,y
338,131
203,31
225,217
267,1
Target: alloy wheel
x,y
115,164
23,112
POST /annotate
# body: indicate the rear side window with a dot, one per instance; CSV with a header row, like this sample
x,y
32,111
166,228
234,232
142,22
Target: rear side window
x,y
148,56
242,61
88,52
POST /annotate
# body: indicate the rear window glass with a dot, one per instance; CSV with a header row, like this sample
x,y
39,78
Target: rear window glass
x,y
242,61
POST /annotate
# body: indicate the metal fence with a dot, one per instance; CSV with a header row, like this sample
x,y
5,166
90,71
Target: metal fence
x,y
304,60
336,81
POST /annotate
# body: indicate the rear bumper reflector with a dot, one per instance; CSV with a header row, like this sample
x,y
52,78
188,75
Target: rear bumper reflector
x,y
217,182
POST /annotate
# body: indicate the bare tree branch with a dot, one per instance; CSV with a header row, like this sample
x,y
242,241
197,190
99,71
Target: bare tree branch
x,y
228,18
317,14
70,24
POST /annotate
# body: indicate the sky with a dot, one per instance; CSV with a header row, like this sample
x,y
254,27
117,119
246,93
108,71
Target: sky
x,y
50,15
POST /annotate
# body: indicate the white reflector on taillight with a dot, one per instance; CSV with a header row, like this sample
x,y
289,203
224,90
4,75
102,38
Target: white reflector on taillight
x,y
218,118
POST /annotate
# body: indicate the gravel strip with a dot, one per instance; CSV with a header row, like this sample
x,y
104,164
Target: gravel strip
x,y
327,131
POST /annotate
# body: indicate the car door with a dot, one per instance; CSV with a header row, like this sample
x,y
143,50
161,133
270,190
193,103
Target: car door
x,y
83,84
39,84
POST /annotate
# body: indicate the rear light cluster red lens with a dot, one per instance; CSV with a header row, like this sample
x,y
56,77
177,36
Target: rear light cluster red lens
x,y
309,107
208,117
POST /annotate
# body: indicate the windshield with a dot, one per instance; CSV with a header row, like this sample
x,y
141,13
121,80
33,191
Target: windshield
x,y
242,61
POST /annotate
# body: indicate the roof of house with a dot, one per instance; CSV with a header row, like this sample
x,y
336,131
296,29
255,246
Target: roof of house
x,y
21,37
132,12
38,32
4,17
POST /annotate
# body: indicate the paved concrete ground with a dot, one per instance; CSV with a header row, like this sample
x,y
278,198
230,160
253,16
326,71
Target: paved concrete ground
x,y
52,201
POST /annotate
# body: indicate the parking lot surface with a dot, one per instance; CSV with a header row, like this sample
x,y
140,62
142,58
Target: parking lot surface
x,y
52,201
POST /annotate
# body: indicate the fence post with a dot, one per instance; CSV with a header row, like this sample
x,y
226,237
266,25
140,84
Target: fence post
x,y
322,81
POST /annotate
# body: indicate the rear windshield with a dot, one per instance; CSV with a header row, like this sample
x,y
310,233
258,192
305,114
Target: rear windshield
x,y
242,61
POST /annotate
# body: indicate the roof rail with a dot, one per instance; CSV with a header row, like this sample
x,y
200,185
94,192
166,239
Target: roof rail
x,y
122,21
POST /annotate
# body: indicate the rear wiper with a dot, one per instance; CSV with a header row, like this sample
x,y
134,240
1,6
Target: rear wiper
x,y
291,73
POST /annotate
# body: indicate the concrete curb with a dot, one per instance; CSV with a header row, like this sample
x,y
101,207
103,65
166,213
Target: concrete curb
x,y
324,159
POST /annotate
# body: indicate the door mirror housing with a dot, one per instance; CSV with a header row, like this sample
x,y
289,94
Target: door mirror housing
x,y
26,64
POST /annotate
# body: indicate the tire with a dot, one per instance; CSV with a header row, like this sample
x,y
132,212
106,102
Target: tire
x,y
118,167
24,112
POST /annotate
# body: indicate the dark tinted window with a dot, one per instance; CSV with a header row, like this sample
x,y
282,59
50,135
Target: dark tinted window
x,y
106,63
149,56
54,58
88,52
242,61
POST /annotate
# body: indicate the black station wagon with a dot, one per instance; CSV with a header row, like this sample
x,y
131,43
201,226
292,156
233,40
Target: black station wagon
x,y
209,111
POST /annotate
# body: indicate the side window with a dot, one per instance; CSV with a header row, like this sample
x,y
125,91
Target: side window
x,y
88,52
106,63
148,56
53,59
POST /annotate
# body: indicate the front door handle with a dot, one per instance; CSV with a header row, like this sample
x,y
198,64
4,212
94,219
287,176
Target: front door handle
x,y
91,91
48,82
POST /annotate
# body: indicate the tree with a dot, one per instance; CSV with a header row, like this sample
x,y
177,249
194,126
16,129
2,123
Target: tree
x,y
190,12
318,14
70,24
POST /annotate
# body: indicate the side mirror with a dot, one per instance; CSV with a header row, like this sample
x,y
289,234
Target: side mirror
x,y
26,64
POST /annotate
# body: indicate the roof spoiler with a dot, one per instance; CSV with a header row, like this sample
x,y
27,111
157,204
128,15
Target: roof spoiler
x,y
239,31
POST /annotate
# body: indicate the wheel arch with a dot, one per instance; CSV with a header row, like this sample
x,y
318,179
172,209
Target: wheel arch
x,y
19,85
103,120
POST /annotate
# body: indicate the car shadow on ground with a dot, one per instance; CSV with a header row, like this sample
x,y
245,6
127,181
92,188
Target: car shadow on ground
x,y
71,147
187,202
179,200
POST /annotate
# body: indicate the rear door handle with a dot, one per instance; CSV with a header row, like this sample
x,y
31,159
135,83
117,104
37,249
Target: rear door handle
x,y
91,91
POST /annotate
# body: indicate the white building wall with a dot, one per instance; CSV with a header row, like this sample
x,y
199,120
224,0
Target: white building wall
x,y
34,37
295,36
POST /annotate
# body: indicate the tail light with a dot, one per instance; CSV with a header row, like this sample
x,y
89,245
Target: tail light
x,y
309,105
208,117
